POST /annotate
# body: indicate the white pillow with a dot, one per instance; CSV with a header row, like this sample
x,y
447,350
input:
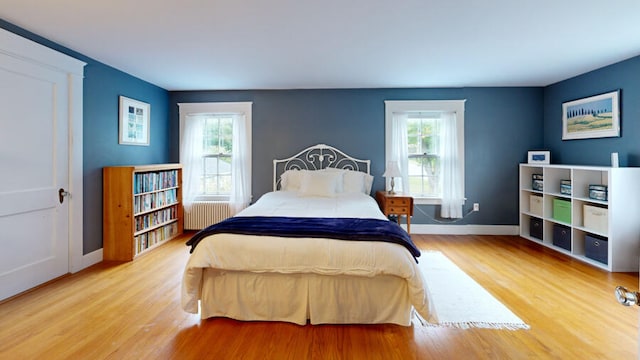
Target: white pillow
x,y
354,181
291,180
368,183
340,185
317,183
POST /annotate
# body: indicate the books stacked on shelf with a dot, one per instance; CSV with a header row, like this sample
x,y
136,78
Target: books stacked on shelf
x,y
156,218
150,201
148,239
153,181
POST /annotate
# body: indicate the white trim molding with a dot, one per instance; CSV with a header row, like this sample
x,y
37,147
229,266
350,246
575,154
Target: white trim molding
x,y
416,106
465,229
91,258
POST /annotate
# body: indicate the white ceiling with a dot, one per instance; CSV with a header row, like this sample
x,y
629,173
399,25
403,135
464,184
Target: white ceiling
x,y
294,44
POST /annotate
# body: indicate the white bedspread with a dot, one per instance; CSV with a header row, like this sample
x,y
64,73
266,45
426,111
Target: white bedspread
x,y
267,254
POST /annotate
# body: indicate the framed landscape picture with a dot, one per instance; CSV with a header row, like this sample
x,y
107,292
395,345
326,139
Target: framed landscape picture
x,y
592,117
133,122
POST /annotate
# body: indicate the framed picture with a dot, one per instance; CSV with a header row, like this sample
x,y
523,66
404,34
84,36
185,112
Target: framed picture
x,y
539,157
592,117
134,122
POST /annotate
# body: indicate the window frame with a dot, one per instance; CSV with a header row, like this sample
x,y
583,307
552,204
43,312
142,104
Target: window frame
x,y
216,109
425,156
206,156
408,106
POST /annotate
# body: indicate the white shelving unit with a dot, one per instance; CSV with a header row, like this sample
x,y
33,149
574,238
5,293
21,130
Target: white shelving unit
x,y
623,206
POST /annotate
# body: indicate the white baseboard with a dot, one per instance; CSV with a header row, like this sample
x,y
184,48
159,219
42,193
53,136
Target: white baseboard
x,y
465,229
90,259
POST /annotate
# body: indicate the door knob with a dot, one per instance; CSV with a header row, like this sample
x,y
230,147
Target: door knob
x,y
61,194
626,297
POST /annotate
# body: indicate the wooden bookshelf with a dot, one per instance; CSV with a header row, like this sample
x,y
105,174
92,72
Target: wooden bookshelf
x,y
142,209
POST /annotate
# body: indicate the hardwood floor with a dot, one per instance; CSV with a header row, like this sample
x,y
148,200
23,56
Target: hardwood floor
x,y
132,311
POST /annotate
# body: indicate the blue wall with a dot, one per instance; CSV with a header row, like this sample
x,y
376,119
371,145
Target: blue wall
x,y
501,125
623,76
102,86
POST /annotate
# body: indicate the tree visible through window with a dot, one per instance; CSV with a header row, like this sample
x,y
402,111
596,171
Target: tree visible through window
x,y
216,159
424,160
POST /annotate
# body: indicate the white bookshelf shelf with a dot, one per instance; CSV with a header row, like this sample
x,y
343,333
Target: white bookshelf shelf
x,y
622,233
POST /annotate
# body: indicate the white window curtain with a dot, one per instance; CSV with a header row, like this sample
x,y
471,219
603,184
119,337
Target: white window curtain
x,y
191,157
400,148
396,149
240,166
452,187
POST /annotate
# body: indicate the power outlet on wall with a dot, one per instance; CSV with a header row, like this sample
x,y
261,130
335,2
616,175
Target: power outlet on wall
x,y
476,207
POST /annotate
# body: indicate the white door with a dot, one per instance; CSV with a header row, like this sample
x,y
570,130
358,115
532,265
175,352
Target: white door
x,y
34,157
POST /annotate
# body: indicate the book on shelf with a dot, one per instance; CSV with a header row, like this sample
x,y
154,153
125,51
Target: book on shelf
x,y
153,181
150,201
155,218
150,238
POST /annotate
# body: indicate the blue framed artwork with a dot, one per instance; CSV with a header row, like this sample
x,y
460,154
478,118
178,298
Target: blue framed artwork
x,y
134,122
592,117
539,157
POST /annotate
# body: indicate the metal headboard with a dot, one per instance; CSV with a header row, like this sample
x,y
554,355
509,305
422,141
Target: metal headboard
x,y
318,157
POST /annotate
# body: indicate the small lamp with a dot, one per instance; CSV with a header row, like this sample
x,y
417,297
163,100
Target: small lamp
x,y
392,171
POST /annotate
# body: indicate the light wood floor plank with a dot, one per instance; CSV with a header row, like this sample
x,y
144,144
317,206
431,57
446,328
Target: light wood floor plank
x,y
132,311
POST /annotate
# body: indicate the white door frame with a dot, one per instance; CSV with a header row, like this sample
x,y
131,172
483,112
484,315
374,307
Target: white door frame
x,y
27,50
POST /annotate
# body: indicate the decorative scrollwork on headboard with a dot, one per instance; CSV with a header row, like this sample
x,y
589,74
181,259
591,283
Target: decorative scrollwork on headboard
x,y
318,157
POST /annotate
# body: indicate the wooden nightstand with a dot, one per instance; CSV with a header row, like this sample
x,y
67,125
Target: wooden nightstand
x,y
396,204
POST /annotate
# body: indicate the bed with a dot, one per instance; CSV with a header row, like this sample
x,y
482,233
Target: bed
x,y
292,275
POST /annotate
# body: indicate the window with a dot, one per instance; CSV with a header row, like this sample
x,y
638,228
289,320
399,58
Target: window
x,y
215,151
426,138
217,147
423,167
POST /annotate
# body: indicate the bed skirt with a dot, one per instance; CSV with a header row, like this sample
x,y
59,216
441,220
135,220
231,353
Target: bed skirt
x,y
302,298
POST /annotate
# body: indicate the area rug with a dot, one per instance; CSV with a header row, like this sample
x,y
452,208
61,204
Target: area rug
x,y
458,301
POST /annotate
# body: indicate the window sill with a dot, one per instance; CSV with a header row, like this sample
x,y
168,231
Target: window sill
x,y
427,201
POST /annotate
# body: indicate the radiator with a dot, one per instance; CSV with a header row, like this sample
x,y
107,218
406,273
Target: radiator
x,y
204,213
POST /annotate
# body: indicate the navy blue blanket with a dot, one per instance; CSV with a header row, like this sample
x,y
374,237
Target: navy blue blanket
x,y
333,228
